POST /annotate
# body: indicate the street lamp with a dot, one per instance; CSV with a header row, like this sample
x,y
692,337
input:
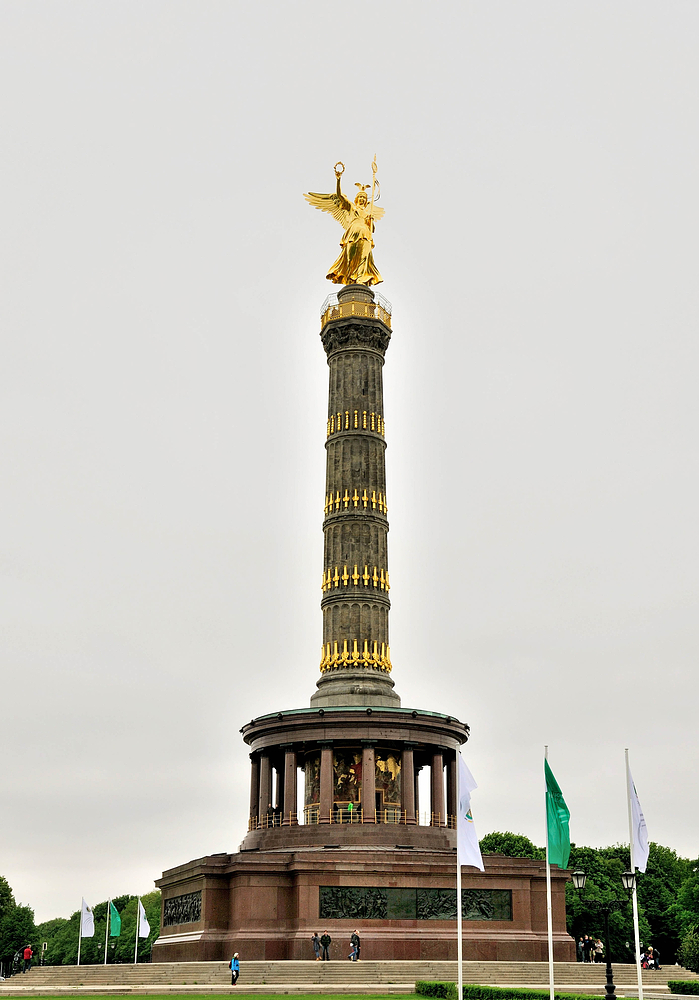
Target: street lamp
x,y
628,880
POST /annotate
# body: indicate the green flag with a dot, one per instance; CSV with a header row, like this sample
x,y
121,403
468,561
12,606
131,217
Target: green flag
x,y
557,816
114,920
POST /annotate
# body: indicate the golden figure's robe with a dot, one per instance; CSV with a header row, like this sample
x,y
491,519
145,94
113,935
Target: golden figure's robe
x,y
355,265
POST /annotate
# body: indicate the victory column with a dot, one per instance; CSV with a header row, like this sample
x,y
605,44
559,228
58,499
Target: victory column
x,y
360,853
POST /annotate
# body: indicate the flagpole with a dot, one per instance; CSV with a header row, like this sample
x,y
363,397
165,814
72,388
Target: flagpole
x,y
634,897
80,932
459,914
106,931
138,921
549,916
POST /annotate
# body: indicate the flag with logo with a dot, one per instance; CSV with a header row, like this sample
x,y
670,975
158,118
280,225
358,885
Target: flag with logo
x,y
87,921
114,920
467,848
640,830
143,925
557,817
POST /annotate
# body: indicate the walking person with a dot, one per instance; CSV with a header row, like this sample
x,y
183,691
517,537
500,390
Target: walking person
x,y
315,941
356,943
325,943
234,966
27,958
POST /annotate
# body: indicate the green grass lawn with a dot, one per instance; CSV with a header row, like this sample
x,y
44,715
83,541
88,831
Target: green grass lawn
x,y
240,995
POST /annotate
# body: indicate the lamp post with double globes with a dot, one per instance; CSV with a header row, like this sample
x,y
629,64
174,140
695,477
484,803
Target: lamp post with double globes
x,y
605,908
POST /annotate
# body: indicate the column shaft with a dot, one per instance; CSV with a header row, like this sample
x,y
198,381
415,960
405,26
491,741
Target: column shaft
x,y
326,784
254,790
265,800
277,788
290,790
368,785
452,804
408,777
437,787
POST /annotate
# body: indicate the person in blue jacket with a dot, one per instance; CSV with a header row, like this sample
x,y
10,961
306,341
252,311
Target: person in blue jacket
x,y
234,966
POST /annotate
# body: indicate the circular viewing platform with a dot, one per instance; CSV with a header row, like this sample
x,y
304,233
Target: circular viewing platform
x,y
355,300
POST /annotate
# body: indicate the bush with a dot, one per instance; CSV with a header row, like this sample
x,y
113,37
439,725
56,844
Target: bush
x,y
688,951
683,986
430,989
448,991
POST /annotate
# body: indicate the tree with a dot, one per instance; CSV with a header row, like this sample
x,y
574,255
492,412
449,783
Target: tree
x,y
16,931
124,951
688,952
668,893
512,845
7,900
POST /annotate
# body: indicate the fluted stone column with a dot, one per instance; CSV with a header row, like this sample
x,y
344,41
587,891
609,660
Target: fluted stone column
x,y
452,804
254,789
368,784
277,789
355,658
265,800
437,788
408,781
326,783
290,788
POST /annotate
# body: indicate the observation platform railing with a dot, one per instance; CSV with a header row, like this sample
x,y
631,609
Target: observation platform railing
x,y
341,815
333,309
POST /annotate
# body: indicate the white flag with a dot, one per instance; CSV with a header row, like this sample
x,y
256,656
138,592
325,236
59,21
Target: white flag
x,y
143,925
640,849
468,851
87,921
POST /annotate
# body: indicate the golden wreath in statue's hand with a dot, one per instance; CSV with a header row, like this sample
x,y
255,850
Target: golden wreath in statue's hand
x,y
339,168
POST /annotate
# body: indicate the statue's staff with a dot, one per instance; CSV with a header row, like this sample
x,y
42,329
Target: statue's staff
x,y
374,168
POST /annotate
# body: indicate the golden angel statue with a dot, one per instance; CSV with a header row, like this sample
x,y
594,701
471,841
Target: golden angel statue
x,y
355,265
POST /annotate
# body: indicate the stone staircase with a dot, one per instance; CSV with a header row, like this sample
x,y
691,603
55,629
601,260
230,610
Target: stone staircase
x,y
323,977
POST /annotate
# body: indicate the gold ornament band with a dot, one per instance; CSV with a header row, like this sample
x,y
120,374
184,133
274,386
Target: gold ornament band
x,y
356,420
373,654
367,500
333,579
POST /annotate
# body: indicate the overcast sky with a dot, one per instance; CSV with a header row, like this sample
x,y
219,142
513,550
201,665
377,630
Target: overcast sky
x,y
164,405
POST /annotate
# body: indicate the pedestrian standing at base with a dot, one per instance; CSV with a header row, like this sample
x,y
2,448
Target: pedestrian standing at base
x,y
315,941
27,958
356,943
234,966
325,943
581,956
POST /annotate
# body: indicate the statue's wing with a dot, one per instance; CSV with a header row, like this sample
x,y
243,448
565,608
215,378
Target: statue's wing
x,y
378,213
337,206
